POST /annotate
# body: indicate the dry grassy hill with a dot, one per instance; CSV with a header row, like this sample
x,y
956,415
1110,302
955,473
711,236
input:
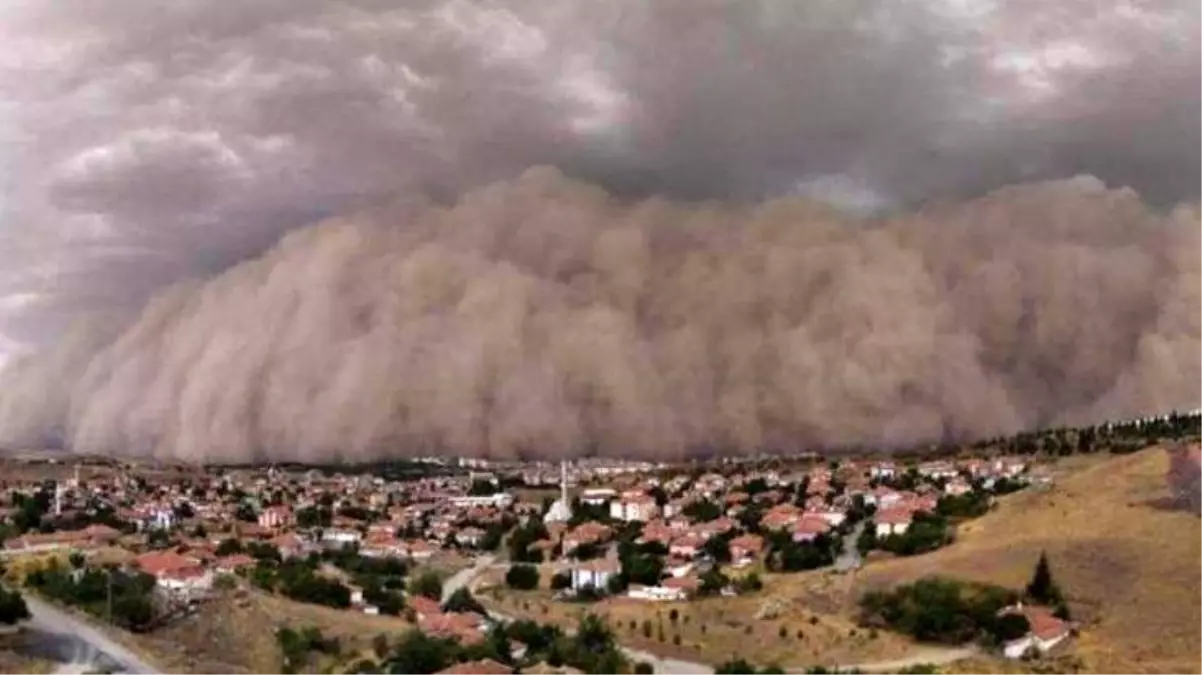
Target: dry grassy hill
x,y
235,633
1129,566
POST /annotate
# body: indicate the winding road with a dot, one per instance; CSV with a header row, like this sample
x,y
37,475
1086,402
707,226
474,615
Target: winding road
x,y
66,638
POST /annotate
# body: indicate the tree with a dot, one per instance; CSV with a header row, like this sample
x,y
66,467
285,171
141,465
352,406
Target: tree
x,y
77,560
12,607
735,667
462,601
420,653
560,581
522,577
427,584
246,513
712,582
229,546
643,668
1010,626
717,548
1042,588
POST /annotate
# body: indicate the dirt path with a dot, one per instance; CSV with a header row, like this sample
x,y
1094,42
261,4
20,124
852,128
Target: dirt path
x,y
937,656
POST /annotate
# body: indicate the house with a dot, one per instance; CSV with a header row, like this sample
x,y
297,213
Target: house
x,y
598,496
92,536
957,487
810,528
937,470
632,507
657,593
460,627
174,572
276,517
746,548
289,545
424,607
469,536
232,563
1046,630
833,517
687,546
586,533
687,585
892,521
883,470
594,573
339,537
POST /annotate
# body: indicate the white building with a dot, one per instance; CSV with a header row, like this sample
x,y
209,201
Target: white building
x,y
892,521
335,537
630,508
594,573
598,496
561,509
657,593
1046,631
500,500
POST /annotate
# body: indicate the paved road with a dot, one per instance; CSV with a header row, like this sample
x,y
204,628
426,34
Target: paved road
x,y
72,640
937,656
850,559
464,577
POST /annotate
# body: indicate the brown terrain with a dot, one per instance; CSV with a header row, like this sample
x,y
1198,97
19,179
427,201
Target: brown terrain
x,y
1128,564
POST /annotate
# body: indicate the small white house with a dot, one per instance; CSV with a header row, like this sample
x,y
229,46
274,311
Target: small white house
x,y
336,537
657,593
892,521
594,573
1046,631
598,496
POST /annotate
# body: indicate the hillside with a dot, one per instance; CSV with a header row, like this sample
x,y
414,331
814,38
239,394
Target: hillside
x,y
235,633
1129,566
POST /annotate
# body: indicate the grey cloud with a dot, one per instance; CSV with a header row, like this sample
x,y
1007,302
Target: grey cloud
x,y
150,145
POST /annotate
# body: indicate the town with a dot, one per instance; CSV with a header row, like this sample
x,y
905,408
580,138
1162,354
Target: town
x,y
489,556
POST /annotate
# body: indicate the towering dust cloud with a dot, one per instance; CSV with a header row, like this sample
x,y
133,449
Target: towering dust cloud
x,y
573,227
543,317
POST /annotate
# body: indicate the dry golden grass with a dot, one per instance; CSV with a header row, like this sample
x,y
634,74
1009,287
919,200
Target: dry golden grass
x,y
236,633
713,630
1129,567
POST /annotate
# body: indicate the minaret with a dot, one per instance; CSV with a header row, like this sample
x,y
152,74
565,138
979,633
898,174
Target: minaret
x,y
563,482
58,499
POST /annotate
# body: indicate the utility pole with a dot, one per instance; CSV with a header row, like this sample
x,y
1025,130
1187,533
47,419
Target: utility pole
x,y
110,594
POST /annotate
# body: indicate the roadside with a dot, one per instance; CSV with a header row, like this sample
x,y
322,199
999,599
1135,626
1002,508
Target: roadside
x,y
79,641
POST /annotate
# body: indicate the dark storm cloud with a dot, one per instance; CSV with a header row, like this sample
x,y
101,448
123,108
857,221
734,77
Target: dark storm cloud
x,y
148,143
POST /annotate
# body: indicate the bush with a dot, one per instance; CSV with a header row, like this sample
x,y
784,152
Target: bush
x,y
522,577
560,581
938,610
427,584
673,616
783,632
643,668
462,601
647,628
12,607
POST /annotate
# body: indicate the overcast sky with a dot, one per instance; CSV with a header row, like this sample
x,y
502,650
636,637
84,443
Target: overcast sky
x,y
144,142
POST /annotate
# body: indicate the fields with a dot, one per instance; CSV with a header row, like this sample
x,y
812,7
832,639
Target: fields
x,y
1129,567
